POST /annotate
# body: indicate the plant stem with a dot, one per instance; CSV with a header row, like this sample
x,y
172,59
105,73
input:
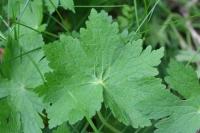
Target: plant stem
x,y
23,10
136,13
5,23
59,15
92,124
62,25
106,123
97,6
147,16
25,53
138,130
45,32
85,127
107,118
145,6
34,64
2,36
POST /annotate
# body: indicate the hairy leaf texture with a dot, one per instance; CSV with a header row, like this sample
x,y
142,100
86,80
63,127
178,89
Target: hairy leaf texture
x,y
101,67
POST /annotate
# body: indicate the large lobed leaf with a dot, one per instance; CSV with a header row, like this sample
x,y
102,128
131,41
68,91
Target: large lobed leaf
x,y
23,70
100,67
186,116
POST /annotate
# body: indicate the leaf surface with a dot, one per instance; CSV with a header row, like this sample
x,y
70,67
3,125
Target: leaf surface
x,y
183,79
66,4
99,67
24,71
186,116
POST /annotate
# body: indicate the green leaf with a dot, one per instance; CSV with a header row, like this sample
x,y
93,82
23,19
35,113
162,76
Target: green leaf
x,y
3,92
66,4
9,121
26,11
13,8
185,119
186,116
130,81
64,128
183,79
25,73
100,67
33,14
27,104
71,93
